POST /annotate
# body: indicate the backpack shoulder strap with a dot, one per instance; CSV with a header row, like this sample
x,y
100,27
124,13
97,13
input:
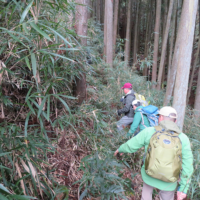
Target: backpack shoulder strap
x,y
131,94
158,128
140,110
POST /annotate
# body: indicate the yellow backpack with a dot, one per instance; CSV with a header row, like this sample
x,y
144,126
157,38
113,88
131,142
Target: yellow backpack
x,y
141,98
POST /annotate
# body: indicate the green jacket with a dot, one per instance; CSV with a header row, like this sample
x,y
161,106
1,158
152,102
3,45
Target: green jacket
x,y
143,139
138,121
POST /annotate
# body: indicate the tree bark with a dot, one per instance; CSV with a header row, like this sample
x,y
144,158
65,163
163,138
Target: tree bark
x,y
182,56
115,24
128,34
148,29
170,69
164,45
108,32
98,10
138,28
81,29
135,35
156,43
102,11
105,32
193,70
197,96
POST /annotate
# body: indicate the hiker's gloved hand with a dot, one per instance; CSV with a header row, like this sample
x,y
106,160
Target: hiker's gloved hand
x,y
122,99
128,135
118,113
181,195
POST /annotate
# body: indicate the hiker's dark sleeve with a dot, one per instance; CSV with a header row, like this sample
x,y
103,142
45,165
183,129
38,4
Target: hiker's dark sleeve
x,y
128,105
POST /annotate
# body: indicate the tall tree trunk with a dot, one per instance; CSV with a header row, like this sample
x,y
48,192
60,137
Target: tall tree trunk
x,y
102,11
98,10
156,43
182,56
164,45
138,28
108,32
105,33
148,29
135,35
115,24
170,69
128,34
81,29
2,65
197,96
193,70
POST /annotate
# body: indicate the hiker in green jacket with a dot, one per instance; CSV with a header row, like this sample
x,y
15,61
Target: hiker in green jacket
x,y
168,128
138,120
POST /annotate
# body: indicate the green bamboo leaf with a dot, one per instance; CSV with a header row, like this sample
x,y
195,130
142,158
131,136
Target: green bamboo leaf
x,y
26,12
25,28
4,189
84,193
63,102
40,31
27,96
34,64
2,49
56,55
16,38
30,107
48,108
3,154
26,124
22,197
3,197
27,62
3,167
41,106
36,104
69,97
58,34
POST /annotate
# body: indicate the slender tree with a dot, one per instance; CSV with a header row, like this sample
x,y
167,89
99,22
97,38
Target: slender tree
x,y
102,11
193,70
105,32
164,44
197,96
81,29
115,24
171,68
182,56
108,32
128,34
171,44
98,10
136,34
148,29
156,42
